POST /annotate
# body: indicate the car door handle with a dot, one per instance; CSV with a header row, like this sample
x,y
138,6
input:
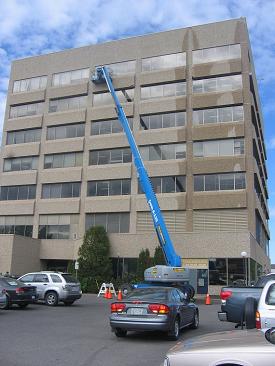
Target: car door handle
x,y
45,284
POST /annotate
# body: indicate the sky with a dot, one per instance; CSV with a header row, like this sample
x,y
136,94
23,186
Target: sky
x,y
34,27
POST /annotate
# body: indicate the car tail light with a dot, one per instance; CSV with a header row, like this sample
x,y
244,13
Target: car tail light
x,y
117,307
19,290
258,320
158,308
224,295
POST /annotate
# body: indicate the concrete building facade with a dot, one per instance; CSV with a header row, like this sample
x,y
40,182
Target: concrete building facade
x,y
192,101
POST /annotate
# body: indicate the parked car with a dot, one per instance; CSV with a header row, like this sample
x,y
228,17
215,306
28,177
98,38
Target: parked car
x,y
3,298
17,292
163,309
231,348
53,287
265,315
239,304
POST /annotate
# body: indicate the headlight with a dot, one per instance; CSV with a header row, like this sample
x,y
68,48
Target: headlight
x,y
166,362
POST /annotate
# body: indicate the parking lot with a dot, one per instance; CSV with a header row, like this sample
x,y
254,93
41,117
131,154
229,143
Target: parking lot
x,y
80,336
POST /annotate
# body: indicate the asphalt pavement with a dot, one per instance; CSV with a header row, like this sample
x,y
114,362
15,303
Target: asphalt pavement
x,y
80,336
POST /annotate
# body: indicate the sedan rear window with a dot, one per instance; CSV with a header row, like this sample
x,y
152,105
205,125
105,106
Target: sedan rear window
x,y
148,294
69,278
11,282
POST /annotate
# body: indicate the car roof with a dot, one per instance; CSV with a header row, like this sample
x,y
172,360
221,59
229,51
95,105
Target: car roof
x,y
231,341
47,272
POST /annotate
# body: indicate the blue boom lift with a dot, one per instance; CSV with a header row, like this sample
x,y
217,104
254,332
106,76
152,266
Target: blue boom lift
x,y
160,274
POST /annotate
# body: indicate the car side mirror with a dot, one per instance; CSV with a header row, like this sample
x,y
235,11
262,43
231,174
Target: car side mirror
x,y
270,335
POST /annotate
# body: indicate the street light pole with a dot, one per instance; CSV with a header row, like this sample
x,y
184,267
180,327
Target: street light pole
x,y
244,255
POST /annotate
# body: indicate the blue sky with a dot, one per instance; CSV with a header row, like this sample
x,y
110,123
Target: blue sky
x,y
33,27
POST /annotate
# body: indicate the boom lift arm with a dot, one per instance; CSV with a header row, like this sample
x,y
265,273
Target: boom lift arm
x,y
172,259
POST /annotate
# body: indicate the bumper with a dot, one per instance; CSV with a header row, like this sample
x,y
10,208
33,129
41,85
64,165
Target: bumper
x,y
153,324
24,300
222,316
70,297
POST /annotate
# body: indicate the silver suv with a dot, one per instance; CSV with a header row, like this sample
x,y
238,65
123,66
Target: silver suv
x,y
53,287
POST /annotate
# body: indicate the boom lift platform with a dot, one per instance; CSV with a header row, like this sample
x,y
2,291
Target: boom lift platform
x,y
172,272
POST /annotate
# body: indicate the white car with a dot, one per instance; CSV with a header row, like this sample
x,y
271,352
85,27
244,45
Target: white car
x,y
265,314
231,348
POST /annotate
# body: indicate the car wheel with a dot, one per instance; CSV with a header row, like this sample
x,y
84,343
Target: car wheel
x,y
51,298
174,333
120,333
250,308
23,306
68,303
196,321
7,305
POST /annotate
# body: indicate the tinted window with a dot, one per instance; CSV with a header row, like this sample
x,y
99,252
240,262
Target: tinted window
x,y
270,297
56,278
41,278
27,278
11,282
148,294
69,278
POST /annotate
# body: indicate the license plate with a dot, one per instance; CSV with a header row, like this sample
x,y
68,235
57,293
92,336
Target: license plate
x,y
136,311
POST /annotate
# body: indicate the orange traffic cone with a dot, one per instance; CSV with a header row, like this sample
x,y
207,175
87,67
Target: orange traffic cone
x,y
109,295
119,295
106,293
208,299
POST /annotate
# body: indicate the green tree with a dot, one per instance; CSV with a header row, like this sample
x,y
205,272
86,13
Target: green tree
x,y
158,256
144,261
94,259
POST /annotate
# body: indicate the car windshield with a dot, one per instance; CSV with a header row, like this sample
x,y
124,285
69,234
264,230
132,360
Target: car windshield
x,y
144,294
69,278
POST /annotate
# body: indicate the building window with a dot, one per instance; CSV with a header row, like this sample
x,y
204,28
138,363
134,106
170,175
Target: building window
x,y
65,104
108,126
218,115
66,131
124,96
70,77
217,84
61,190
163,151
163,90
217,271
236,272
57,226
24,110
217,53
25,85
164,120
23,136
173,184
163,62
18,225
111,156
64,160
112,222
21,163
9,193
109,187
261,235
219,182
227,147
121,68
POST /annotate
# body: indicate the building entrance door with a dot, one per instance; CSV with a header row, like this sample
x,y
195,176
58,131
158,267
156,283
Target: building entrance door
x,y
202,281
